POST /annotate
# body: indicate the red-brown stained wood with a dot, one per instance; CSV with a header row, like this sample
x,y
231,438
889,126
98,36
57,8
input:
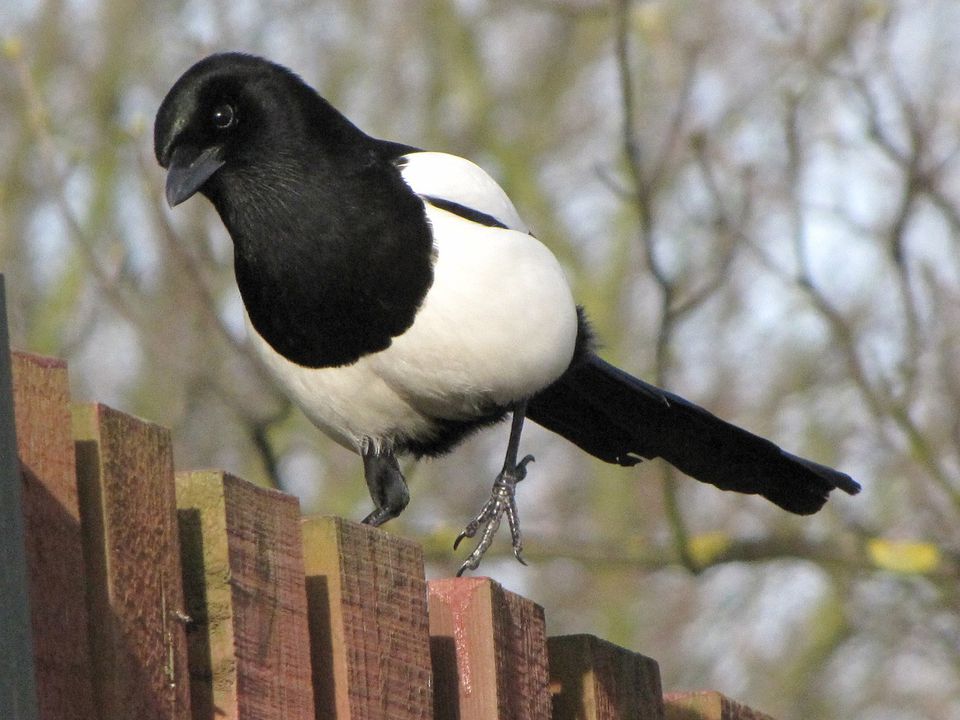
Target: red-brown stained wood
x,y
132,556
53,542
243,571
489,652
709,705
368,622
592,679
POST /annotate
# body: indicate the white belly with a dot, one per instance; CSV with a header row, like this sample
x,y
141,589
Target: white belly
x,y
497,325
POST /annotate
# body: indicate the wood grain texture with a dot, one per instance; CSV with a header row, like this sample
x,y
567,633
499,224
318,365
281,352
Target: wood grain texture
x,y
592,679
244,581
489,652
132,555
18,691
53,539
707,705
368,622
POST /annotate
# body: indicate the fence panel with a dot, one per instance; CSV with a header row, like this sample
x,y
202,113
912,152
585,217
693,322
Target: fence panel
x,y
244,583
489,650
132,556
368,622
51,511
592,679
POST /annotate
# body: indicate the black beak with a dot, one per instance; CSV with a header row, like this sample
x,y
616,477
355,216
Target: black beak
x,y
186,176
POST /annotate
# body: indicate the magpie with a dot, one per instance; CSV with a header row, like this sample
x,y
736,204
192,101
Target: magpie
x,y
401,301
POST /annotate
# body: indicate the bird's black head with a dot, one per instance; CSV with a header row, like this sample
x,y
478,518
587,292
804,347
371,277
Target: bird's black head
x,y
230,113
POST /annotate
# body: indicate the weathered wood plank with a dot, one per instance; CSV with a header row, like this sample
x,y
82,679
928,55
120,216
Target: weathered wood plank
x,y
368,622
244,581
51,511
592,679
489,652
132,556
709,705
18,691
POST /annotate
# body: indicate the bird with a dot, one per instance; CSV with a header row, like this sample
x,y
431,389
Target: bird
x,y
400,300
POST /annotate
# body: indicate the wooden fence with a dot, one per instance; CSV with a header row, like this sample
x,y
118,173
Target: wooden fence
x,y
130,591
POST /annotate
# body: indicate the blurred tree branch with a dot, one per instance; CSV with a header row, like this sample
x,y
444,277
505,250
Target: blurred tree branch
x,y
860,554
642,192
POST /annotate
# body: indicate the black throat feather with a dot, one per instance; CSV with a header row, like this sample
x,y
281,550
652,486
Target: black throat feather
x,y
332,259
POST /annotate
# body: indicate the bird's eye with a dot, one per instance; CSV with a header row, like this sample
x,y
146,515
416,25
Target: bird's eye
x,y
224,117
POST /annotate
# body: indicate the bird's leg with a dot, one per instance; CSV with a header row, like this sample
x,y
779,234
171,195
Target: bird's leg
x,y
387,487
502,500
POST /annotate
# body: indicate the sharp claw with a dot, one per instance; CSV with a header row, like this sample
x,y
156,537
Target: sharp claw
x,y
516,554
456,544
522,466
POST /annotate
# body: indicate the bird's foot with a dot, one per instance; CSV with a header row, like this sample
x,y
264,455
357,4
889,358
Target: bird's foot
x,y
388,489
502,502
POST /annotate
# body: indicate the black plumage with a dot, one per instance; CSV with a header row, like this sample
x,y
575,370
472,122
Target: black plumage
x,y
622,419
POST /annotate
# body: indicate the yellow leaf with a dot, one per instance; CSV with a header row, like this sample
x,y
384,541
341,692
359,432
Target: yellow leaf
x,y
707,547
903,556
12,47
651,20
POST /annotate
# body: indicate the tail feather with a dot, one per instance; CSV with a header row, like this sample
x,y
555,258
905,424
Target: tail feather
x,y
622,419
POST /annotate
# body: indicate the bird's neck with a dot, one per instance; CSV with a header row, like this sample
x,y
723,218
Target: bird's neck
x,y
331,263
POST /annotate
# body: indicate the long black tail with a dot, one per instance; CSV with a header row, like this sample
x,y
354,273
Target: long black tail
x,y
622,419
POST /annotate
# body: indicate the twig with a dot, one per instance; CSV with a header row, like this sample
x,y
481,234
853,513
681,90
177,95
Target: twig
x,y
642,197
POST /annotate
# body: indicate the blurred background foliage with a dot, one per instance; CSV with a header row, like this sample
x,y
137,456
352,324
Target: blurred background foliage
x,y
757,200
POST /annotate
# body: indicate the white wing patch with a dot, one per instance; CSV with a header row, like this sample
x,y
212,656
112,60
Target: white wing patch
x,y
457,180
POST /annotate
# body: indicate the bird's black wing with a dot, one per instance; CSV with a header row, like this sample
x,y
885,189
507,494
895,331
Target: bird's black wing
x,y
622,419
